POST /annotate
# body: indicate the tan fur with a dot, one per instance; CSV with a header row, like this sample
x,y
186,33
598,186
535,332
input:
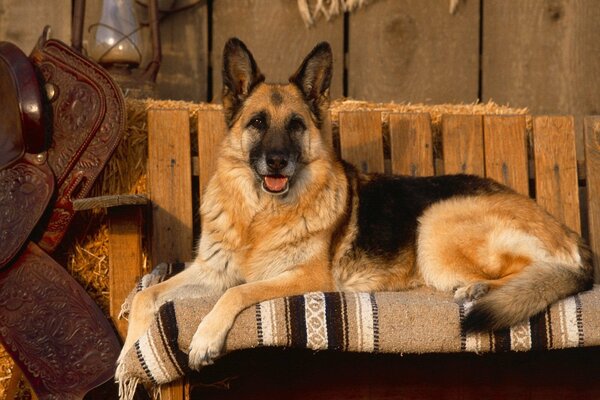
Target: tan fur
x,y
257,246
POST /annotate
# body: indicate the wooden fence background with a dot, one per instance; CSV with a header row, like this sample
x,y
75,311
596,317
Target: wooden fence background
x,y
540,54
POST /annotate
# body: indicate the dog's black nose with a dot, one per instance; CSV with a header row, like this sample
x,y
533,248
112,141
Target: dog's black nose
x,y
277,161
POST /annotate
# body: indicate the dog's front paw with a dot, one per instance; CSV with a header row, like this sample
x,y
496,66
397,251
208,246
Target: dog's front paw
x,y
206,344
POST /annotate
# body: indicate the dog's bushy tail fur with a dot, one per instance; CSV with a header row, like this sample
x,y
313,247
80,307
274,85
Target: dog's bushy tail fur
x,y
527,294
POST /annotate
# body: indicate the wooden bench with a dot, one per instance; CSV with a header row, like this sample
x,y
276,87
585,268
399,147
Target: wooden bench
x,y
534,155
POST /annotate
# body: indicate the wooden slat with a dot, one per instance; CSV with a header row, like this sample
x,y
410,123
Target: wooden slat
x,y
411,144
505,139
170,185
592,158
361,142
556,168
125,258
211,131
275,33
170,190
462,138
414,50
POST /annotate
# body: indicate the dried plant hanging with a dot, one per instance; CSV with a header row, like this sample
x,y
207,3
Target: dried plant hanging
x,y
327,8
331,8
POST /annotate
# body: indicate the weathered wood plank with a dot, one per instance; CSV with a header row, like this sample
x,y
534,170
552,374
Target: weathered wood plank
x,y
462,139
408,50
211,131
505,139
169,185
170,190
125,258
184,69
361,141
275,34
592,159
22,22
556,168
411,144
556,78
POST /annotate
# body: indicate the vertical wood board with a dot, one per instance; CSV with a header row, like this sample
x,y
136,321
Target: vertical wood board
x,y
411,50
277,37
22,22
592,158
125,258
183,73
462,139
211,131
556,168
411,144
505,141
170,185
540,55
361,141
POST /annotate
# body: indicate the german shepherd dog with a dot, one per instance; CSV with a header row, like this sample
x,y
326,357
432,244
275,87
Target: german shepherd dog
x,y
283,215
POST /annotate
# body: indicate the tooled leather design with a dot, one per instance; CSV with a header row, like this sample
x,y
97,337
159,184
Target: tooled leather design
x,y
61,340
25,191
89,117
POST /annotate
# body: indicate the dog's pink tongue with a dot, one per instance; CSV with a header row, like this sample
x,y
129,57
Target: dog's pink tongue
x,y
275,183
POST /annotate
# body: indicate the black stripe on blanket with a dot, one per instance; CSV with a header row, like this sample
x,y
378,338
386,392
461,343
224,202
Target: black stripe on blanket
x,y
259,327
335,325
169,333
140,357
297,321
539,331
579,316
501,340
375,310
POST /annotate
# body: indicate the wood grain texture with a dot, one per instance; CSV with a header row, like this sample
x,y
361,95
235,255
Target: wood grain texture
x,y
170,185
462,139
536,54
556,168
183,73
410,50
275,34
592,165
411,144
505,139
361,142
170,190
22,22
211,131
125,258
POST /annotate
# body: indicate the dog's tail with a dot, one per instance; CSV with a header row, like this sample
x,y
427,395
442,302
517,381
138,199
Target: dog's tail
x,y
529,293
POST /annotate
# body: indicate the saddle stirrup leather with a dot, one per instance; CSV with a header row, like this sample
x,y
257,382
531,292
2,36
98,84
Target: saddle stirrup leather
x,y
61,117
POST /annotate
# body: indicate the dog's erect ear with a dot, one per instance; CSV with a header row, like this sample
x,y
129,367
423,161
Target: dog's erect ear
x,y
314,77
240,76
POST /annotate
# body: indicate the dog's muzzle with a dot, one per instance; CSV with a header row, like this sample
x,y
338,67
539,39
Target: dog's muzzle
x,y
275,172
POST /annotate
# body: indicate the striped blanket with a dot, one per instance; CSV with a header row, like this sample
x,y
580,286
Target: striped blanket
x,y
419,321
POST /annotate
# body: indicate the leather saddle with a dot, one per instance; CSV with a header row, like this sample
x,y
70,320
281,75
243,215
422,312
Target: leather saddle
x,y
61,117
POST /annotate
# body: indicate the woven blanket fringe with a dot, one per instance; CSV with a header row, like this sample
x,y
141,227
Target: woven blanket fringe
x,y
127,388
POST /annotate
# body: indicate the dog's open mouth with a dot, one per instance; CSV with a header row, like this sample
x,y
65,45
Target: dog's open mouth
x,y
275,184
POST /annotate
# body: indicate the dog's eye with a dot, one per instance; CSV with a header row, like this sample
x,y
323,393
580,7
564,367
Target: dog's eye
x,y
296,125
258,123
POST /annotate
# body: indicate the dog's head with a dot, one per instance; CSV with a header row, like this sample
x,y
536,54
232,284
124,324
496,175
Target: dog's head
x,y
277,126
